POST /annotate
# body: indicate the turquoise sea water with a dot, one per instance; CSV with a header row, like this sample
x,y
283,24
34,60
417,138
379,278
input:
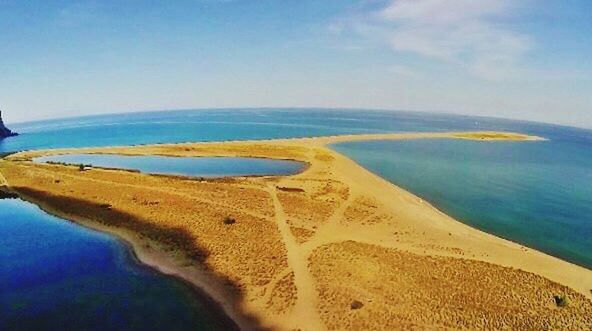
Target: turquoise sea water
x,y
535,193
208,167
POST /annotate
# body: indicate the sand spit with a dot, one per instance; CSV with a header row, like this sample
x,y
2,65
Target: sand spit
x,y
334,247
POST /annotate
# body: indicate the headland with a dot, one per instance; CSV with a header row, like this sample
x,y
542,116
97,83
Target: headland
x,y
4,131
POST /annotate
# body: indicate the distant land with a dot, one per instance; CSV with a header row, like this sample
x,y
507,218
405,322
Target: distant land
x,y
4,131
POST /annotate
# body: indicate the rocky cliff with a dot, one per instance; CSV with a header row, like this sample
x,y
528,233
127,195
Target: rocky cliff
x,y
4,131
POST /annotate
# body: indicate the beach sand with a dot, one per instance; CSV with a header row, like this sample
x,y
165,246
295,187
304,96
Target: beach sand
x,y
334,247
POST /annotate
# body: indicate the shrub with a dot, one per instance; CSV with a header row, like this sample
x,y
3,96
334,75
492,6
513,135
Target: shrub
x,y
5,154
7,195
229,220
290,189
81,167
356,305
561,300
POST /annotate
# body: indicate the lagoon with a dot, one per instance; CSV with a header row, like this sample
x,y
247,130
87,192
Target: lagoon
x,y
209,167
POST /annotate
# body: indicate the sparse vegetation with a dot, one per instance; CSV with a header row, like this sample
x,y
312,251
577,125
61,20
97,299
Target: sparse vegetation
x,y
229,220
7,195
490,135
5,154
561,300
81,166
290,189
106,206
356,305
56,163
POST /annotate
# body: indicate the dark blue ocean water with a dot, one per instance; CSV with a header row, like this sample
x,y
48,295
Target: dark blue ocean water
x,y
536,193
208,167
55,275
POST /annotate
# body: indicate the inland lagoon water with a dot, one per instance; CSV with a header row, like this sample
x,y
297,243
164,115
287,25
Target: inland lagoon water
x,y
535,193
208,167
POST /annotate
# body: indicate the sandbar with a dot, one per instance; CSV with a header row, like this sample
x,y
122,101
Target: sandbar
x,y
334,247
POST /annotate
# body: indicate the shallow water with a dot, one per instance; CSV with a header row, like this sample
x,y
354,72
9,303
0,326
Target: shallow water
x,y
55,275
185,166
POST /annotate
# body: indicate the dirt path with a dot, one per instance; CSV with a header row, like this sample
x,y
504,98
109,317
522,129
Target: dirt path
x,y
305,310
330,232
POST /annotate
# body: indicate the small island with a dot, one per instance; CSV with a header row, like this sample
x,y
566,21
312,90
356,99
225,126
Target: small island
x,y
4,131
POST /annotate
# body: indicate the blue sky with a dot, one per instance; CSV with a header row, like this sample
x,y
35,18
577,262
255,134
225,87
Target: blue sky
x,y
527,59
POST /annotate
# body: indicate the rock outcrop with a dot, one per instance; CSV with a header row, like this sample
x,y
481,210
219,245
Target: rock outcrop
x,y
4,131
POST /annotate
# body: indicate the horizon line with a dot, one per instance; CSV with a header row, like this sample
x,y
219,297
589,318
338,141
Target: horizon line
x,y
347,109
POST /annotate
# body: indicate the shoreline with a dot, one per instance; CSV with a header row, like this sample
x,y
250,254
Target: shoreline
x,y
426,202
362,180
577,284
155,261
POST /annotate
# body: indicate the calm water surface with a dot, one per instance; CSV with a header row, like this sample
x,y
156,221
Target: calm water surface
x,y
185,166
55,275
536,193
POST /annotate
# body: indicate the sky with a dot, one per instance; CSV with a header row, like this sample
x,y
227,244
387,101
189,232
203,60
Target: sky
x,y
523,59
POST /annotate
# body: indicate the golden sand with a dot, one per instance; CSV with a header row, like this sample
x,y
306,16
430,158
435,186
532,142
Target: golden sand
x,y
334,247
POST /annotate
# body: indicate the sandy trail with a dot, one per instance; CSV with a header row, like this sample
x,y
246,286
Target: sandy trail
x,y
331,231
298,262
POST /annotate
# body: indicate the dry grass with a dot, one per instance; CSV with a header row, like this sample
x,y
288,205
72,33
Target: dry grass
x,y
404,290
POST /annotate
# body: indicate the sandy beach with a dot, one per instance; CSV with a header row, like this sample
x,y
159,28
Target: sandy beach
x,y
334,247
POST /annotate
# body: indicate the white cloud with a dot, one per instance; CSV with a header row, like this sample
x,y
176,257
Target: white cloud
x,y
463,32
441,11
